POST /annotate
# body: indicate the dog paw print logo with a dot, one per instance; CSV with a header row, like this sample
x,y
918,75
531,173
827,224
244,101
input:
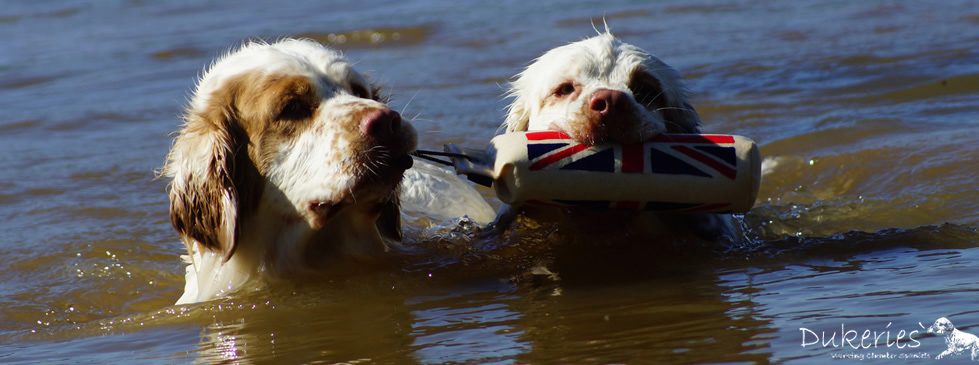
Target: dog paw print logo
x,y
958,342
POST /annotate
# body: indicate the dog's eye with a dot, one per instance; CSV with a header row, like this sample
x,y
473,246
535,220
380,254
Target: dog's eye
x,y
360,91
564,89
295,110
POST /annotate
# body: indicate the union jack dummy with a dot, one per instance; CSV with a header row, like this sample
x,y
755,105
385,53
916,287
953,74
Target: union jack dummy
x,y
683,173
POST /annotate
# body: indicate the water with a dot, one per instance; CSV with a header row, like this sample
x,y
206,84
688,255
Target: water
x,y
866,223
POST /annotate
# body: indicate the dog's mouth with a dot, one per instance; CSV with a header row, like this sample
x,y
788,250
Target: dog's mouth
x,y
388,142
609,116
375,183
389,164
589,137
324,210
592,134
380,155
366,203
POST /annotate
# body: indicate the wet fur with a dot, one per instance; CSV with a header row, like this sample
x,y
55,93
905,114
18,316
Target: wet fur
x,y
272,175
558,92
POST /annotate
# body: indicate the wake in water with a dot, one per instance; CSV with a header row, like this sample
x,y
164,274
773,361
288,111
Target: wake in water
x,y
533,252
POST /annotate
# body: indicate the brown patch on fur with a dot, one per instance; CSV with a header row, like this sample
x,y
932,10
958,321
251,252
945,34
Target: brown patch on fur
x,y
271,109
589,130
198,212
245,122
240,117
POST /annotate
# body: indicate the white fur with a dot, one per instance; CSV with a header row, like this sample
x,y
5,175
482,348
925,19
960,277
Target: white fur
x,y
604,90
328,161
957,341
600,62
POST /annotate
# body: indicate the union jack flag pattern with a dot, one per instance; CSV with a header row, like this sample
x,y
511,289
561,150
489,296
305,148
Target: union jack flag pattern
x,y
712,157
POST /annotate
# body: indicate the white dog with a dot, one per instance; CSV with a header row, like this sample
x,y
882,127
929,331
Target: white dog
x,y
603,90
956,340
288,161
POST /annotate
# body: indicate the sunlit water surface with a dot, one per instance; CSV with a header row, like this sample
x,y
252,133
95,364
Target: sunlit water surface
x,y
868,114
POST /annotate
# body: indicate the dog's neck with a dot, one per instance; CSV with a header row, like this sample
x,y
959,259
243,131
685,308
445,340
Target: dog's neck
x,y
284,246
271,247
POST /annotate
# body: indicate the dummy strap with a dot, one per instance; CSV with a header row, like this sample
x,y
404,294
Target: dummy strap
x,y
428,155
473,167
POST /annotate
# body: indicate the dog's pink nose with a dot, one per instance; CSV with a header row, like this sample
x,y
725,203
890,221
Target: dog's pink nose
x,y
382,123
608,103
613,117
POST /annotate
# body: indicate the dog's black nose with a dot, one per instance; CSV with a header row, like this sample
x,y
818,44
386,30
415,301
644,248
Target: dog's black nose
x,y
381,123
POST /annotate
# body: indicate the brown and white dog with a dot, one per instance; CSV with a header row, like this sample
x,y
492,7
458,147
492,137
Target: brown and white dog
x,y
287,160
604,90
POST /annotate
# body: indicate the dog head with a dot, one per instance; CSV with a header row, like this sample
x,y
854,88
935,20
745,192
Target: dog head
x,y
287,146
942,325
600,89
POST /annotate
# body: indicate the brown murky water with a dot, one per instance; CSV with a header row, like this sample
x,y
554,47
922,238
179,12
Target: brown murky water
x,y
863,235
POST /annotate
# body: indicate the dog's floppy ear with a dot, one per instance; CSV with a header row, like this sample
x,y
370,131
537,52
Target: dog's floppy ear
x,y
389,222
681,117
208,163
671,98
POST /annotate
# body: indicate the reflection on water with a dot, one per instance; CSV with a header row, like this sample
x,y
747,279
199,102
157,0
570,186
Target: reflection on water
x,y
866,218
375,37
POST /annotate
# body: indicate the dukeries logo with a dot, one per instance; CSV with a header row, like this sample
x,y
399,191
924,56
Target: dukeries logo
x,y
958,342
893,343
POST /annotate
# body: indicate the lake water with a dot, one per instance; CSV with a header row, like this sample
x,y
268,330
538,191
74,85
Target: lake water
x,y
864,232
